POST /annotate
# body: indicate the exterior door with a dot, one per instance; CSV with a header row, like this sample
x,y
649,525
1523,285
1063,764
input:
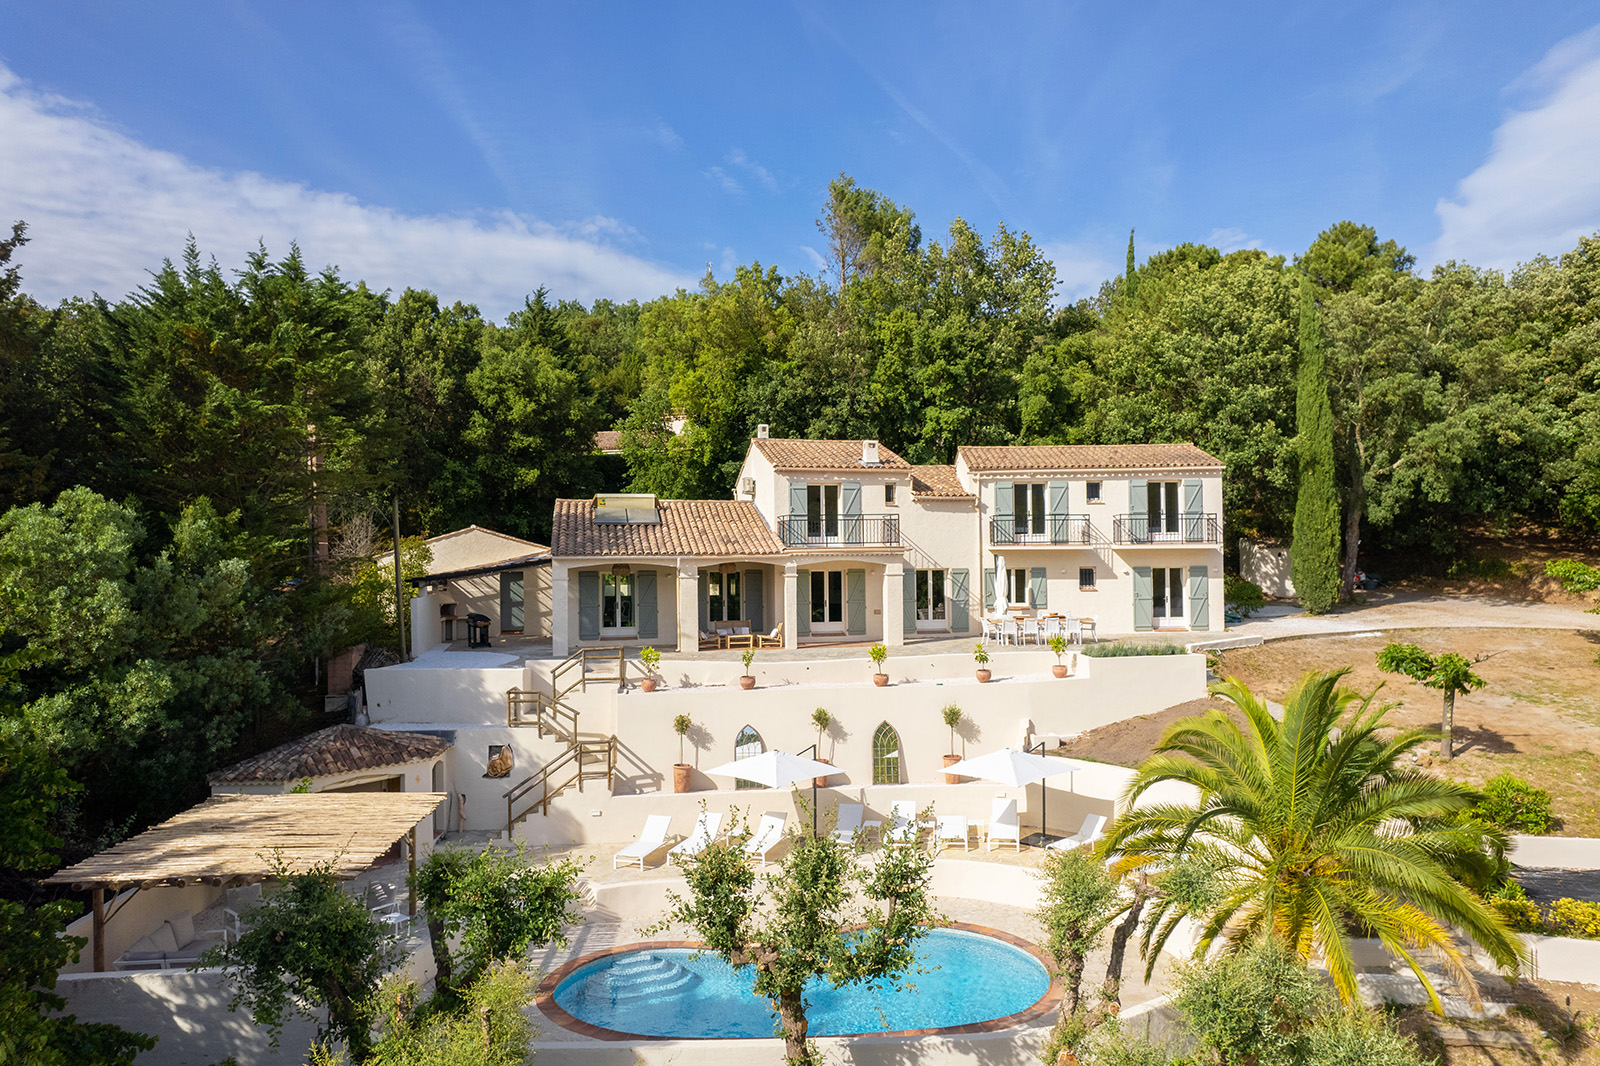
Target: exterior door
x,y
1166,596
511,601
932,605
827,601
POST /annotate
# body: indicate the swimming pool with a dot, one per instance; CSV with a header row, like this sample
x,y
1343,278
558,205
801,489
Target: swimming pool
x,y
665,992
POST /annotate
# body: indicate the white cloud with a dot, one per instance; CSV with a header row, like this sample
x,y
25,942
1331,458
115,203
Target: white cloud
x,y
725,181
814,257
1231,239
103,209
1539,190
1080,268
762,175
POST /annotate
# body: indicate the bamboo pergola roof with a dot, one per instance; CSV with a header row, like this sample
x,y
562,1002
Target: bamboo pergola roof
x,y
232,840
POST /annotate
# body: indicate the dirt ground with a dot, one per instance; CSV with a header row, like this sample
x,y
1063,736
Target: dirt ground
x,y
1507,563
1537,717
1539,1012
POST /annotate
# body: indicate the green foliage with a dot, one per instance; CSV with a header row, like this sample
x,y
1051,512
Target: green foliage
x,y
1079,901
1252,1006
1305,832
1514,805
747,657
878,654
371,592
1314,549
980,654
681,724
1122,649
1407,659
1574,917
1058,645
950,715
650,657
1244,595
1574,576
309,947
489,1027
821,719
497,903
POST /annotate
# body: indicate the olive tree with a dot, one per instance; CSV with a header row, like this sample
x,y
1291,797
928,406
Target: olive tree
x,y
1450,673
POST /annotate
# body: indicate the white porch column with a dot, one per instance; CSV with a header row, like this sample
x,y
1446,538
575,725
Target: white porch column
x,y
688,606
791,605
560,612
894,608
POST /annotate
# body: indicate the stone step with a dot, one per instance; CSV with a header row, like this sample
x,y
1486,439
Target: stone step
x,y
1451,1036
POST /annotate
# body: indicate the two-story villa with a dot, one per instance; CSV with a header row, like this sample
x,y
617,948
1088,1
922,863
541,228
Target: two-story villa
x,y
844,541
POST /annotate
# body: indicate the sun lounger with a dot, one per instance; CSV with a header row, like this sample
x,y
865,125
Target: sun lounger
x,y
768,835
652,838
952,829
1093,828
705,831
904,829
851,823
1004,827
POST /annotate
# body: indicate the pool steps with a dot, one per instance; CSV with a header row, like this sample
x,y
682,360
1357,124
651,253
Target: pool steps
x,y
642,977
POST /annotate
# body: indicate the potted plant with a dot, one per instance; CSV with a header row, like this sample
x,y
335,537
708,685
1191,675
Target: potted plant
x,y
822,720
1058,644
748,680
681,770
878,653
980,655
952,718
651,658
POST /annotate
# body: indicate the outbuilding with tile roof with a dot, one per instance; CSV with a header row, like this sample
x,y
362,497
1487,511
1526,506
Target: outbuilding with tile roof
x,y
341,758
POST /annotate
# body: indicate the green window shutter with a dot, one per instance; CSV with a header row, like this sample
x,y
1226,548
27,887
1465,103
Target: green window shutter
x,y
988,589
1199,598
960,601
850,511
1036,587
855,602
802,603
511,601
1004,509
588,605
797,498
1058,499
705,603
908,597
1193,508
1138,511
1142,608
755,601
645,605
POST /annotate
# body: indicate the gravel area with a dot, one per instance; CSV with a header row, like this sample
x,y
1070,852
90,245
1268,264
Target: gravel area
x,y
1546,885
1390,609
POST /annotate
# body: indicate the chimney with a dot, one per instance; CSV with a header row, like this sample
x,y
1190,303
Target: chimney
x,y
762,431
869,453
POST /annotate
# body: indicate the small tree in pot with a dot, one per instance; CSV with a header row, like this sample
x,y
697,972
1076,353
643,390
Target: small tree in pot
x,y
681,725
748,680
980,655
951,715
822,720
878,653
651,658
1058,644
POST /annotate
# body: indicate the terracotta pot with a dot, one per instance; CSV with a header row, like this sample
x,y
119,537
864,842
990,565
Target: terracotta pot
x,y
1059,669
880,680
822,782
747,682
648,684
680,776
952,779
983,676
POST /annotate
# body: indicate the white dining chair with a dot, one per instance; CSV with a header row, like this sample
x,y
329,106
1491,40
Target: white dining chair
x,y
1030,630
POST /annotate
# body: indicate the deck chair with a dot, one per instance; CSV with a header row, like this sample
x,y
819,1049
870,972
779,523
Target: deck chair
x,y
705,831
652,838
952,829
773,639
1092,829
904,829
850,822
1004,827
768,835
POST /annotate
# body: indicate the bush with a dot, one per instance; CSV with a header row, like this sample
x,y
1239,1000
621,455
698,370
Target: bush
x,y
1520,914
1512,804
1574,576
1575,917
1245,596
1120,650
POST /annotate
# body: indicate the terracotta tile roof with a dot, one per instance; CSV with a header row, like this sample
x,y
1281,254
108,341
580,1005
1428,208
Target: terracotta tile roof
x,y
687,527
341,749
937,481
990,459
788,453
608,440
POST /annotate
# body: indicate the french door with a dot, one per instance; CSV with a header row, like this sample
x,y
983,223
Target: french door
x,y
932,613
827,601
1166,595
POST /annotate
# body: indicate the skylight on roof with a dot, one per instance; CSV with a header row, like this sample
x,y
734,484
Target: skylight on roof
x,y
626,509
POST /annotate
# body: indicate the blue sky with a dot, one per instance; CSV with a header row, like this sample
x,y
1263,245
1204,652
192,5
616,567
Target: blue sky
x,y
616,150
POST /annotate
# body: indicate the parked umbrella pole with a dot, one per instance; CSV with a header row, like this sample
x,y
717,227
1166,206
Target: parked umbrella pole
x,y
815,754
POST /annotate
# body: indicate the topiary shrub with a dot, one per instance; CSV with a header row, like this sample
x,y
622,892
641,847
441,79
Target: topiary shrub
x,y
1574,917
1514,805
1523,915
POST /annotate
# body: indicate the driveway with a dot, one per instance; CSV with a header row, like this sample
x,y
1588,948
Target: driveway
x,y
1387,609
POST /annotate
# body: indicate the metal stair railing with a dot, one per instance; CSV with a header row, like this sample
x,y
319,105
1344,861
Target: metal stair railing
x,y
572,767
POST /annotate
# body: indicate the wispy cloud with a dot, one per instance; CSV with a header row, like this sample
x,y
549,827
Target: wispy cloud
x,y
761,174
104,208
1539,189
1081,267
723,180
813,257
1231,239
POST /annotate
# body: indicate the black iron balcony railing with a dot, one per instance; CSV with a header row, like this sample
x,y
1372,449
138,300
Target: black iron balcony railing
x,y
840,531
1166,529
1052,529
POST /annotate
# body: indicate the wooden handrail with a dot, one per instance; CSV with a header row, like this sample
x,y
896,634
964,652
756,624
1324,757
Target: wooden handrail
x,y
579,753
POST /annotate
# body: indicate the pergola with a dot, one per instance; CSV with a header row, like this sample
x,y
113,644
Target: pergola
x,y
231,841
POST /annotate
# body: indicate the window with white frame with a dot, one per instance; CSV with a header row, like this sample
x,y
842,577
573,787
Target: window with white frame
x,y
722,597
1027,507
930,596
1091,492
1017,587
616,603
747,745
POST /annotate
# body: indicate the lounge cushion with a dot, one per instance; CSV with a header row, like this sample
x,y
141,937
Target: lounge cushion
x,y
162,939
143,948
182,927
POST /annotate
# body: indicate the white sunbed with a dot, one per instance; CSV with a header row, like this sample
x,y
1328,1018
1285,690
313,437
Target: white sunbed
x,y
705,831
652,838
904,829
1004,827
768,835
850,822
1093,828
952,829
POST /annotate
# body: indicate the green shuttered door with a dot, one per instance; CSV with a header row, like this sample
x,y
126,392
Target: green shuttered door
x,y
960,601
588,605
646,606
1142,612
1199,598
855,602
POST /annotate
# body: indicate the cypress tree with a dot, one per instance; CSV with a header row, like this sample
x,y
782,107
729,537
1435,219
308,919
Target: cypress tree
x,y
1314,553
1130,276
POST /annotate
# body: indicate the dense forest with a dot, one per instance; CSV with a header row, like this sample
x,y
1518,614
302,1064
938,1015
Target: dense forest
x,y
198,474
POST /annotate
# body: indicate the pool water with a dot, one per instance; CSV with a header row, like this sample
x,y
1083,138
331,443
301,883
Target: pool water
x,y
667,992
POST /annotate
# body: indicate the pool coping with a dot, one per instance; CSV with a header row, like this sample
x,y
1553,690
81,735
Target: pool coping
x,y
545,998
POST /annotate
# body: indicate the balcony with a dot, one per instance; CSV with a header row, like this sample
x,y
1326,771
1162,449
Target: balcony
x,y
1058,529
840,531
1175,529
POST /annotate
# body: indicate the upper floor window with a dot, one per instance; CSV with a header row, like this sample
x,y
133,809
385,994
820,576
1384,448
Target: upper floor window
x,y
1161,506
1027,506
1091,492
822,510
888,494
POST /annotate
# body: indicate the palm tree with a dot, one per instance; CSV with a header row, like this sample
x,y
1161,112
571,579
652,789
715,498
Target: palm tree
x,y
1314,830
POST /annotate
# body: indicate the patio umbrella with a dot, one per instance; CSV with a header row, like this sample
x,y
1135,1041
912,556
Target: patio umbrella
x,y
778,769
1008,766
1001,604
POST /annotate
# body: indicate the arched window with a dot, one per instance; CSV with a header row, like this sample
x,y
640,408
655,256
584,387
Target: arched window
x,y
747,745
886,756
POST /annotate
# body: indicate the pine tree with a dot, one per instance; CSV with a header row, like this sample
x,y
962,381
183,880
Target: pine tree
x,y
1130,276
1314,553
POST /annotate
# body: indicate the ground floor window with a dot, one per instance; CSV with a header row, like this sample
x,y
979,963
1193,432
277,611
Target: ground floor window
x,y
722,597
1085,578
616,602
930,596
747,745
827,597
1166,593
886,756
1017,587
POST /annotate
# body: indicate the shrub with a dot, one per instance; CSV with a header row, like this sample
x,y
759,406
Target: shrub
x,y
1574,576
1121,649
1246,596
1520,914
1515,806
1575,917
